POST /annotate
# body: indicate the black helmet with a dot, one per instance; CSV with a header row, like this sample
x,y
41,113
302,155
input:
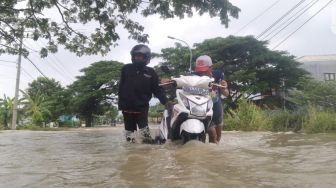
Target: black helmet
x,y
143,50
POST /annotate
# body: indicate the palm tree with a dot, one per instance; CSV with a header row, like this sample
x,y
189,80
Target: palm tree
x,y
6,110
36,107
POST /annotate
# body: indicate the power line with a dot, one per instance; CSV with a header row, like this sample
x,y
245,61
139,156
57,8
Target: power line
x,y
281,18
7,65
7,61
36,67
273,25
303,24
301,11
258,16
58,68
51,66
7,77
24,70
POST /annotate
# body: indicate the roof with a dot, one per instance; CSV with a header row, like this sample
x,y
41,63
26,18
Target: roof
x,y
315,58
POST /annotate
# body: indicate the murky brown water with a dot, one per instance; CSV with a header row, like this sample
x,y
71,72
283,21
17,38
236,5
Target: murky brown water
x,y
101,158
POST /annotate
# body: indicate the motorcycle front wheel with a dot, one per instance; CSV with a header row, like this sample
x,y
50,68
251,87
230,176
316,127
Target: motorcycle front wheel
x,y
186,137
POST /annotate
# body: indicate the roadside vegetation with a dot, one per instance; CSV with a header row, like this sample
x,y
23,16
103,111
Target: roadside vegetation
x,y
309,106
314,111
250,117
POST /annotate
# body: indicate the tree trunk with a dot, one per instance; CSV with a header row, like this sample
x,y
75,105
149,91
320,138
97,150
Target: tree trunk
x,y
88,121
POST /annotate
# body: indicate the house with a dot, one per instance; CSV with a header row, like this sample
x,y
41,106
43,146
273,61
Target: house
x,y
321,67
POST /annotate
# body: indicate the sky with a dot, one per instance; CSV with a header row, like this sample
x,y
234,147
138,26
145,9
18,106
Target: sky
x,y
316,37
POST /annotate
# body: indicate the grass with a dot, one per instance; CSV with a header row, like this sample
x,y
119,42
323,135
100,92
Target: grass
x,y
249,117
318,121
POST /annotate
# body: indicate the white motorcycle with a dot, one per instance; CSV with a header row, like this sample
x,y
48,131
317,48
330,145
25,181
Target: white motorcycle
x,y
192,114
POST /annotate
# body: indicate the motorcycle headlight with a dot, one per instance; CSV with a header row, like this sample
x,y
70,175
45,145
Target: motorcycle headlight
x,y
185,101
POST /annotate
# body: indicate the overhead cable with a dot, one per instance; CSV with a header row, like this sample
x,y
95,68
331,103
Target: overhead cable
x,y
303,24
301,11
258,16
281,18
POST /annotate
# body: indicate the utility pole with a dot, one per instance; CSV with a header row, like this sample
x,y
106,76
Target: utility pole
x,y
17,86
284,93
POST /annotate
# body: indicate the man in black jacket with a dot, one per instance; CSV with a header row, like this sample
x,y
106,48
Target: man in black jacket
x,y
137,84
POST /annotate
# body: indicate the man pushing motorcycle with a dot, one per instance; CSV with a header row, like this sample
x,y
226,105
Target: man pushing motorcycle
x,y
203,67
137,84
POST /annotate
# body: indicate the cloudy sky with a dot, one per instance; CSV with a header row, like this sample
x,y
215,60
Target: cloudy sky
x,y
316,37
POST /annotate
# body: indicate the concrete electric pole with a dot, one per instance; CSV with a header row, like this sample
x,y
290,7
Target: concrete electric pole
x,y
17,86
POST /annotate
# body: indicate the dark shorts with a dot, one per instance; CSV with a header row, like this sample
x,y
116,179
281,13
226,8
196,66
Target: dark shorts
x,y
217,117
132,120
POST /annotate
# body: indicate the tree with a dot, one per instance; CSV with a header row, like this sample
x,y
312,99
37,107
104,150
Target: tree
x,y
53,93
6,110
321,95
56,21
177,59
36,106
95,91
249,66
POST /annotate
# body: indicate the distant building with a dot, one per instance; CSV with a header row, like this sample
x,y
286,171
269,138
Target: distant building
x,y
321,67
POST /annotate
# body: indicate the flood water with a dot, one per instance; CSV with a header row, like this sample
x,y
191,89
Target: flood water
x,y
99,157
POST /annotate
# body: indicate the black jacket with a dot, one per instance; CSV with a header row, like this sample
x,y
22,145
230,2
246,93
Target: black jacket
x,y
137,84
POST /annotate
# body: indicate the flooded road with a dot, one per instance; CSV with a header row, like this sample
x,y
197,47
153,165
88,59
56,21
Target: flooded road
x,y
99,157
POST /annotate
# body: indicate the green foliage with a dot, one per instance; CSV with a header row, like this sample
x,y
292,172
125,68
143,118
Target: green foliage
x,y
6,111
286,120
318,121
69,124
103,17
56,97
155,111
249,66
37,107
176,59
96,90
316,93
247,117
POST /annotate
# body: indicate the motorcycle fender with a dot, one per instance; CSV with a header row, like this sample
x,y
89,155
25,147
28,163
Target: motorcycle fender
x,y
192,126
163,127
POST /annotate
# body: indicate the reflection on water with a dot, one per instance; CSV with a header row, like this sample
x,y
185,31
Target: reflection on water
x,y
101,158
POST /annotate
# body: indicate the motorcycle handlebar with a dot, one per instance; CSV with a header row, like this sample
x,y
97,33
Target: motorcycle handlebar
x,y
217,85
171,82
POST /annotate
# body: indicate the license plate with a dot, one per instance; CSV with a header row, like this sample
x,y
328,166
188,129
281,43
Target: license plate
x,y
195,90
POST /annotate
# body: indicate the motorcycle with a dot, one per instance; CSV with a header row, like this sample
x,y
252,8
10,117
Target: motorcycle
x,y
190,117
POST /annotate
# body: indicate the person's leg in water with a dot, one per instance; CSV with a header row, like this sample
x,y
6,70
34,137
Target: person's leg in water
x,y
215,129
130,126
219,129
212,133
142,121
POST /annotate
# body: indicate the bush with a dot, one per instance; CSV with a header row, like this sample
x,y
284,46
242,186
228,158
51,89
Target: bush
x,y
247,117
68,124
286,120
318,121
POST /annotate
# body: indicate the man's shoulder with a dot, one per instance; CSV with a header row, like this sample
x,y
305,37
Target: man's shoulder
x,y
128,65
150,70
